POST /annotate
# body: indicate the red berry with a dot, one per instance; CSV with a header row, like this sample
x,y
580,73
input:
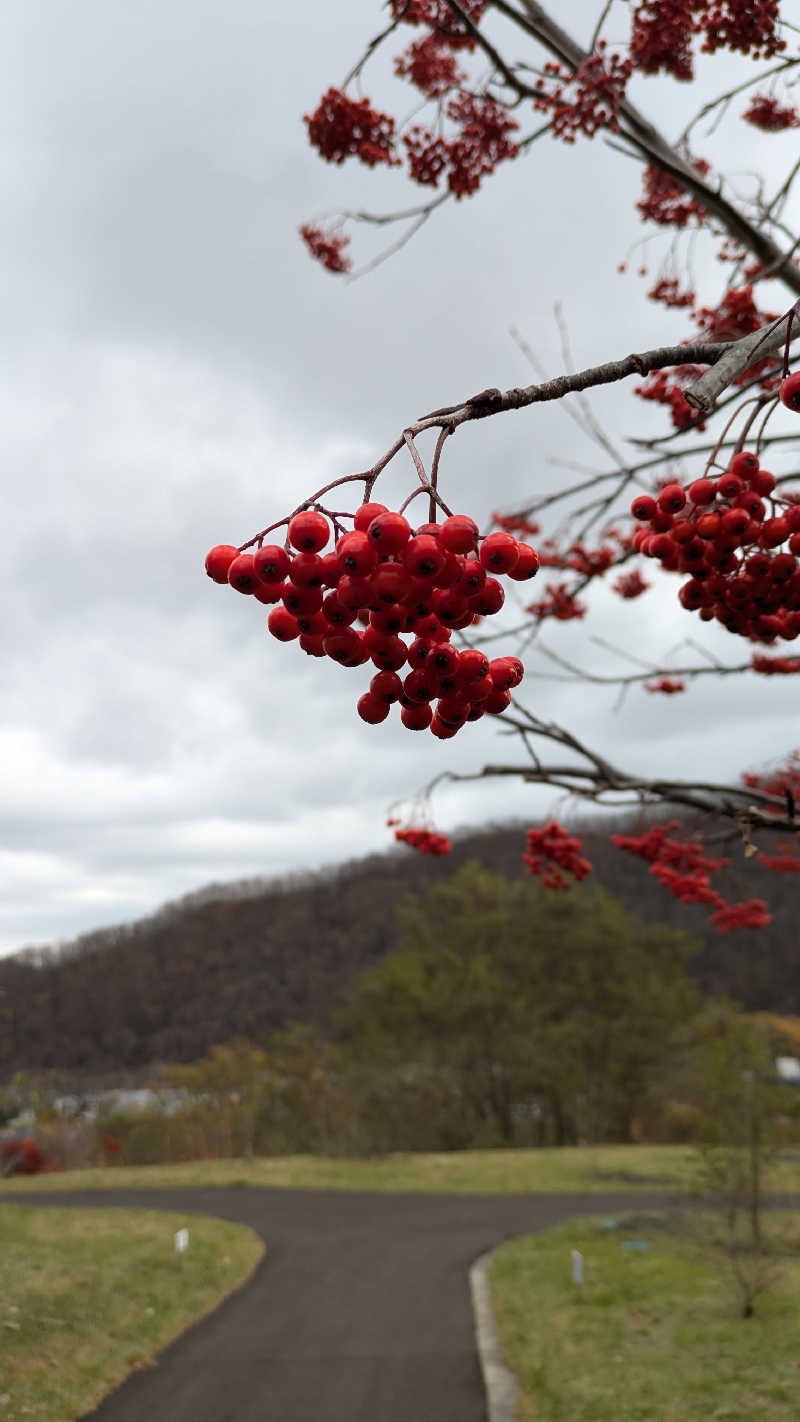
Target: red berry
x,y
473,665
497,702
311,644
506,672
643,507
458,534
219,560
371,709
241,573
773,532
423,557
271,563
499,552
702,491
744,464
282,625
306,571
762,482
527,565
309,531
343,646
420,685
365,514
416,717
335,611
269,592
489,600
389,532
386,686
729,485
708,525
790,392
671,499
444,658
441,730
356,554
390,583
453,710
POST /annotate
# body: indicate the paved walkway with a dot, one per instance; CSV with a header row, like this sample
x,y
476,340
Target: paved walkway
x,y
360,1311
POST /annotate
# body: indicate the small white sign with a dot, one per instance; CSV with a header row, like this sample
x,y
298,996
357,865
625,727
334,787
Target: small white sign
x,y
181,1240
577,1267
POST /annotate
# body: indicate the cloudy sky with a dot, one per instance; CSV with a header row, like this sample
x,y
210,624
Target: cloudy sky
x,y
178,373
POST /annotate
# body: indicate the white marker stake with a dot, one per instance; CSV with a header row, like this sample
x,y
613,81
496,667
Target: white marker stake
x,y
577,1267
181,1240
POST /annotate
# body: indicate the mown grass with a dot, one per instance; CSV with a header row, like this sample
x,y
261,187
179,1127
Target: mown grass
x,y
87,1296
651,1336
477,1172
487,1172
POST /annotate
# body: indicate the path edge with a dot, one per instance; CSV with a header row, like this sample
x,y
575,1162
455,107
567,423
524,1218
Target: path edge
x,y
500,1385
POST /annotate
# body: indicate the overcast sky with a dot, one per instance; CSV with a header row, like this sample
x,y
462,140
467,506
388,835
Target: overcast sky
x,y
178,373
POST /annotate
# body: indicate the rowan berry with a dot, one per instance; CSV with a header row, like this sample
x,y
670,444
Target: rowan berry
x,y
309,531
744,464
729,485
473,665
790,392
219,560
336,612
527,565
499,552
306,571
702,492
242,574
773,532
423,557
419,685
671,499
271,563
442,731
371,709
365,514
386,686
390,583
506,672
643,507
356,555
282,625
458,534
762,482
416,717
489,600
343,644
497,701
389,532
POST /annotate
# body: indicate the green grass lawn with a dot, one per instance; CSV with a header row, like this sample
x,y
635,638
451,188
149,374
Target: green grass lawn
x,y
87,1296
573,1168
653,1335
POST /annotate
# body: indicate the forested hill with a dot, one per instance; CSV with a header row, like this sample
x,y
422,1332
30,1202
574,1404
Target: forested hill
x,y
243,959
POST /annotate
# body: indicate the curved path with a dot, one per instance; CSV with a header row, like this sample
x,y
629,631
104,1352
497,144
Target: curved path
x,y
360,1311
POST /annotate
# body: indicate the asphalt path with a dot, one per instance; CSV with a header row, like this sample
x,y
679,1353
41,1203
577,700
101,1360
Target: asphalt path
x,y
359,1312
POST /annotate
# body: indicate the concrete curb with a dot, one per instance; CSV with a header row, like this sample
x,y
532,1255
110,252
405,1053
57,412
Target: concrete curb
x,y
500,1385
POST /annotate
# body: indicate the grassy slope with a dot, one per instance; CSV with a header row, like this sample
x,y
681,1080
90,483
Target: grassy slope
x,y
87,1296
579,1168
652,1336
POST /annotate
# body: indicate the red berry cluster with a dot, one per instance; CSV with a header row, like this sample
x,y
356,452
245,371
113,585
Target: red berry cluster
x,y
341,128
430,64
668,291
667,388
666,202
396,584
767,113
737,315
441,18
426,841
786,861
667,685
327,247
599,89
560,603
775,666
630,585
662,37
483,142
552,852
727,533
683,867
